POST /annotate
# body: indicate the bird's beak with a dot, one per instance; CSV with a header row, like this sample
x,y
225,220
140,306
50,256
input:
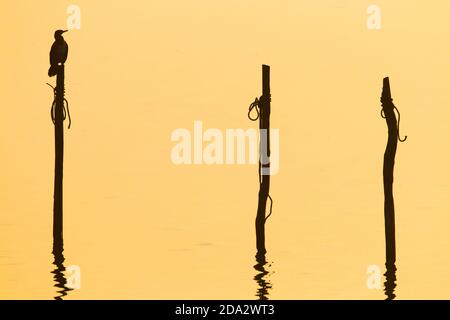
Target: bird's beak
x,y
65,31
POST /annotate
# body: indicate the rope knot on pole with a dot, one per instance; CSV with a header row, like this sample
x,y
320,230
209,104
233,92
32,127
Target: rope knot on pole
x,y
383,115
387,106
66,111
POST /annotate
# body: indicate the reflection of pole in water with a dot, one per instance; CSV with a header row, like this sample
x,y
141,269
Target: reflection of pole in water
x,y
388,112
264,285
389,285
59,277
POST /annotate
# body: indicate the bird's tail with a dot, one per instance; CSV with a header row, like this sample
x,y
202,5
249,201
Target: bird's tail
x,y
52,71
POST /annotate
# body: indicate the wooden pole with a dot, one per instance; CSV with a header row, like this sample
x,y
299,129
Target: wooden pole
x,y
388,170
58,242
264,166
58,55
59,156
388,180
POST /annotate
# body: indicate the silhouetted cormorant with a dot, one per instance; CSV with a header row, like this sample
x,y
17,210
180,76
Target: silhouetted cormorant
x,y
58,53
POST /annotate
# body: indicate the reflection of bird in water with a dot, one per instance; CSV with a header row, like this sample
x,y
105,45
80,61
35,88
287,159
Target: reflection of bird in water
x,y
264,284
58,52
389,285
59,277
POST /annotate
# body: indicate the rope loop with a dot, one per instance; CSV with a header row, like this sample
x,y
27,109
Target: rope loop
x,y
254,105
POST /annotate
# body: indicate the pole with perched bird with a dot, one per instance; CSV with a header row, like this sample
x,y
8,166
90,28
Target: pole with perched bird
x,y
58,56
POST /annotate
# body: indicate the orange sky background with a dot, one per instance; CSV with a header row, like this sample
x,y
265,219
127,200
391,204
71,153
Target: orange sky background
x,y
141,227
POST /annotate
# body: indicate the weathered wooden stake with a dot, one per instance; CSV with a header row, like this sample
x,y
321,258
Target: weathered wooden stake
x,y
388,112
59,157
264,166
58,241
388,170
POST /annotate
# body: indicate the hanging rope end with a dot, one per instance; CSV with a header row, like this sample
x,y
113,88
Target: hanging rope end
x,y
253,105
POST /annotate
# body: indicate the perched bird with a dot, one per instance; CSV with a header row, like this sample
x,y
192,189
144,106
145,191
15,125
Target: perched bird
x,y
58,53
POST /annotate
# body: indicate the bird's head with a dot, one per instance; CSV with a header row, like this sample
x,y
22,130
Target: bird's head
x,y
58,34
